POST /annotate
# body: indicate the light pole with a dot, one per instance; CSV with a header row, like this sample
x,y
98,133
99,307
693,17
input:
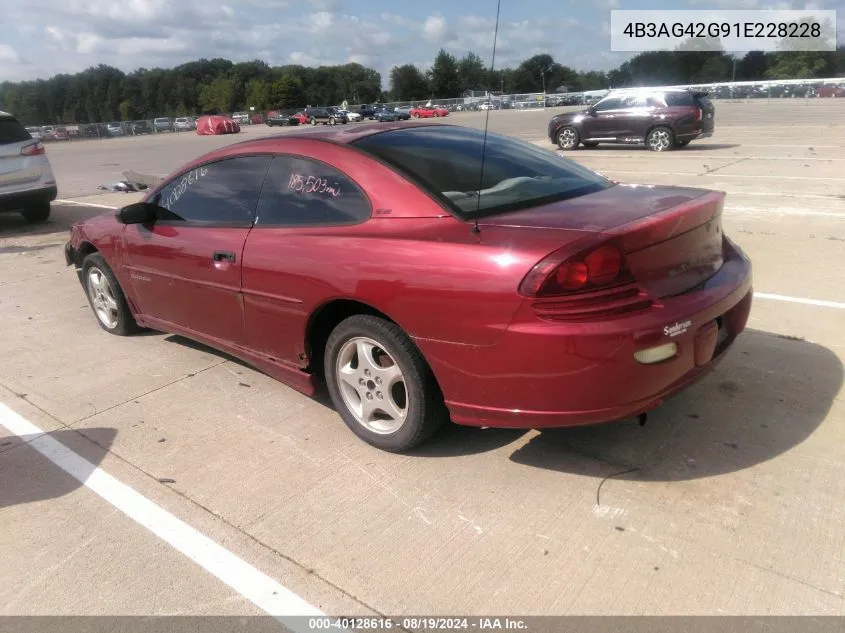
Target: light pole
x,y
543,77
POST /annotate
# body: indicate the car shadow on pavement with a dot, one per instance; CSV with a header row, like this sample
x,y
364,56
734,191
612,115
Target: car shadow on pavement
x,y
29,477
692,147
62,217
451,441
768,397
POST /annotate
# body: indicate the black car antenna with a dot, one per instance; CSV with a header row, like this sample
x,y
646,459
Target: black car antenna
x,y
475,228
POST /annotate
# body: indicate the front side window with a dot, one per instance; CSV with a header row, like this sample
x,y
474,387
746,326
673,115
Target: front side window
x,y
611,103
304,192
446,161
221,193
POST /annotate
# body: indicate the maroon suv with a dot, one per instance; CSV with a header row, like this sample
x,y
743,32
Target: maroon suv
x,y
661,118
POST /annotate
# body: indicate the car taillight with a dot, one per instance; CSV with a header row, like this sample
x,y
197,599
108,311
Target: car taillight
x,y
592,284
595,269
699,114
33,149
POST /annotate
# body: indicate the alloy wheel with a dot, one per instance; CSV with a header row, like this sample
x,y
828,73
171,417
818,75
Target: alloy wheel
x,y
371,385
567,139
659,140
102,298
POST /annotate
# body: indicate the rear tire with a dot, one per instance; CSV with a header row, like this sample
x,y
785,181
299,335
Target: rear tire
x,y
37,212
106,298
380,384
660,139
312,121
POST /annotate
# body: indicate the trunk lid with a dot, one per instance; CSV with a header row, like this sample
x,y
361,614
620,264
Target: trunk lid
x,y
671,236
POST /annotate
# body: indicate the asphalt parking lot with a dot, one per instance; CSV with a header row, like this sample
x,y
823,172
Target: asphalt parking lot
x,y
212,489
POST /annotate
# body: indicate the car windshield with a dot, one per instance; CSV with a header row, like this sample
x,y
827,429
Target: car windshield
x,y
447,161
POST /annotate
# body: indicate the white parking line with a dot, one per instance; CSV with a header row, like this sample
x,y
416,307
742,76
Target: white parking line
x,y
85,204
252,584
809,302
783,211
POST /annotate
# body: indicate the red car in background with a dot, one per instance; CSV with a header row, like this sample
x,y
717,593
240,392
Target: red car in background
x,y
301,117
374,261
426,112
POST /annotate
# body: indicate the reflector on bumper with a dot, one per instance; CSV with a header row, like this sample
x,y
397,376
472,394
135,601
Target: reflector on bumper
x,y
652,355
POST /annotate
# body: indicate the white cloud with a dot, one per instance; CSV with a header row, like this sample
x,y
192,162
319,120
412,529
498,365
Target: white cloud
x,y
434,28
157,33
8,54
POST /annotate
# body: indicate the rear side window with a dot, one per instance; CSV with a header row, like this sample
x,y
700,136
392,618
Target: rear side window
x,y
305,192
674,99
12,132
446,161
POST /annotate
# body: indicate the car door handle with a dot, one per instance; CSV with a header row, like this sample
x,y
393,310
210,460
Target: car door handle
x,y
223,256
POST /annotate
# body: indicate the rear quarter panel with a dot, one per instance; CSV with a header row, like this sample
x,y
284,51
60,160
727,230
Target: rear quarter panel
x,y
432,276
412,261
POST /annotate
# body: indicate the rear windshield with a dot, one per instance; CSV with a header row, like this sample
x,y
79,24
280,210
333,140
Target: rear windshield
x,y
687,99
704,101
12,132
446,160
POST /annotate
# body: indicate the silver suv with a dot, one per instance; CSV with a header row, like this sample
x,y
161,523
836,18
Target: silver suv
x,y
27,183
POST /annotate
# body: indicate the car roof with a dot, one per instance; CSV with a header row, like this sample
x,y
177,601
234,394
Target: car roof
x,y
615,92
2,113
334,134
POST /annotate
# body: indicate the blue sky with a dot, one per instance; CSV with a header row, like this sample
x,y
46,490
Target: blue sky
x,y
39,38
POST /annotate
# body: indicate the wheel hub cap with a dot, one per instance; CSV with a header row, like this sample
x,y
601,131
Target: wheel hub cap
x,y
102,298
372,385
660,140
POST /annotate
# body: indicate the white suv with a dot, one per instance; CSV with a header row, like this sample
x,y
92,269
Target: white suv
x,y
27,183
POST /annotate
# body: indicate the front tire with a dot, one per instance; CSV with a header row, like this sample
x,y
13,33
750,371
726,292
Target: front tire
x,y
106,297
660,139
380,384
37,212
568,138
312,121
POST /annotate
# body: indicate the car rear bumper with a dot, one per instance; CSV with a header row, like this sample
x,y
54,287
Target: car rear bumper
x,y
21,199
545,374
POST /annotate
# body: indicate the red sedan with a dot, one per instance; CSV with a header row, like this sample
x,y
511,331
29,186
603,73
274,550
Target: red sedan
x,y
377,261
427,113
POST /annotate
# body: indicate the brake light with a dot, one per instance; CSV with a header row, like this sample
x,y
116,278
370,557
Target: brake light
x,y
595,269
33,149
699,114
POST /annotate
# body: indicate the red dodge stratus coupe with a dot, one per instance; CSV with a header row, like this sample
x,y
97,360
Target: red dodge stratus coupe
x,y
384,261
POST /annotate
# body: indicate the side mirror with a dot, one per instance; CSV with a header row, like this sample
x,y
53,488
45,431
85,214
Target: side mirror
x,y
138,213
591,111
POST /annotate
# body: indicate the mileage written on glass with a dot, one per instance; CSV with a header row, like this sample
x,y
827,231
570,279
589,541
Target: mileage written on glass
x,y
313,185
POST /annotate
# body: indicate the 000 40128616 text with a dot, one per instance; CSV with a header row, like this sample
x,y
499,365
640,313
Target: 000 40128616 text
x,y
313,184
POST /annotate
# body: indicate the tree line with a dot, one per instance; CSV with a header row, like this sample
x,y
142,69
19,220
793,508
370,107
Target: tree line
x,y
103,93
